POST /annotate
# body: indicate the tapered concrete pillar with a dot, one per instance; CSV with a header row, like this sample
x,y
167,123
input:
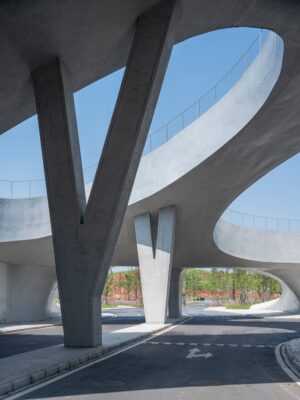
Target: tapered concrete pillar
x,y
84,235
155,261
175,296
25,292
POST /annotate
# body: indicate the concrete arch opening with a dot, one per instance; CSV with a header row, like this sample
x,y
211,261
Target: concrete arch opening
x,y
236,290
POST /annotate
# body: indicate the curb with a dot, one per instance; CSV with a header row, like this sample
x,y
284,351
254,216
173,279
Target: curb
x,y
286,362
39,376
29,328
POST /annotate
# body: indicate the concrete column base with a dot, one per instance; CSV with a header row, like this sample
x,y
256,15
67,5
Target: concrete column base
x,y
25,292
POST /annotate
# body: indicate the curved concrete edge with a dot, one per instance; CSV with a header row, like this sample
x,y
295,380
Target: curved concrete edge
x,y
287,302
256,245
288,357
52,363
28,219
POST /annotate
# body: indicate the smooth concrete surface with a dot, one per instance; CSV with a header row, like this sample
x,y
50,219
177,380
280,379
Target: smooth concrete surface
x,y
155,245
247,133
95,40
85,234
175,293
25,292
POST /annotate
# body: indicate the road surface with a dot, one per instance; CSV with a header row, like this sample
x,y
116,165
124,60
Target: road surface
x,y
209,357
33,339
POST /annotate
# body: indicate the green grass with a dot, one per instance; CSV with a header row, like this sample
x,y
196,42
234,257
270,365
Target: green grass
x,y
239,306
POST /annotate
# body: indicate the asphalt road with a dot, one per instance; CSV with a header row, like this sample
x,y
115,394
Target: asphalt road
x,y
33,339
209,357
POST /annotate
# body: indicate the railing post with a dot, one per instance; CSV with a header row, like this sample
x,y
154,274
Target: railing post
x,y
260,39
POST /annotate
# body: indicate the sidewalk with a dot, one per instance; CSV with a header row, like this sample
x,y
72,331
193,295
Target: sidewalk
x,y
264,313
29,368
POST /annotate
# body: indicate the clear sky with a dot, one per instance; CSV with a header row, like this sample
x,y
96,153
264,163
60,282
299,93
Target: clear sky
x,y
195,66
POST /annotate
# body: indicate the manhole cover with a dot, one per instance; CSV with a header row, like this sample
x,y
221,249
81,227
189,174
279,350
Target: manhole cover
x,y
110,382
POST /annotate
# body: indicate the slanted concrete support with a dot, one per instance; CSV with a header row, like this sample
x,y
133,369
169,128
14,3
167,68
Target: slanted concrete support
x,y
175,296
84,236
155,261
25,292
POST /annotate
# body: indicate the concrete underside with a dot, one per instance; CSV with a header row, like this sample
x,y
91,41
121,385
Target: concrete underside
x,y
261,109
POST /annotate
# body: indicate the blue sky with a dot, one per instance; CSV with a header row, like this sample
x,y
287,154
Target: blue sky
x,y
195,66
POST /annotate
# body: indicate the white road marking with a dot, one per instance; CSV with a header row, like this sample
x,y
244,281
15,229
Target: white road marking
x,y
195,353
89,364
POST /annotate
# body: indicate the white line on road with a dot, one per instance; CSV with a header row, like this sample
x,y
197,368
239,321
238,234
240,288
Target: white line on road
x,y
89,364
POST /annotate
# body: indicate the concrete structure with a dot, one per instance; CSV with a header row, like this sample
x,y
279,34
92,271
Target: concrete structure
x,y
155,245
85,234
248,132
175,294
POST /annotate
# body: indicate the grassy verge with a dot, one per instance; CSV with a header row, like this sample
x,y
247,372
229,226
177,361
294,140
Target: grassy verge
x,y
239,306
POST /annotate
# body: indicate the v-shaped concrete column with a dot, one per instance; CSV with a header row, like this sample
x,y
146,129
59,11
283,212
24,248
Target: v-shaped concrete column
x,y
84,236
155,261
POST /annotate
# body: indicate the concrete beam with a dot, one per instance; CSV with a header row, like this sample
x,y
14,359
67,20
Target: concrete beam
x,y
175,295
84,237
155,261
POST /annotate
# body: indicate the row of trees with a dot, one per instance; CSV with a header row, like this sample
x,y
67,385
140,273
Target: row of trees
x,y
235,285
123,285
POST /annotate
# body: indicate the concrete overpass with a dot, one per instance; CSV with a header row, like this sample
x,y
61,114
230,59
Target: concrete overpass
x,y
247,133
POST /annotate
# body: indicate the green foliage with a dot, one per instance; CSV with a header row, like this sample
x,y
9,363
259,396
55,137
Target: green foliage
x,y
226,284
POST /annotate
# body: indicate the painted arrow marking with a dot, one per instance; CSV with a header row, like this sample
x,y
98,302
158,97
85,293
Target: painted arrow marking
x,y
194,353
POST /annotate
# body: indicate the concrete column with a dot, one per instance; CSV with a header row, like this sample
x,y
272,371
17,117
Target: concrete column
x,y
25,292
84,236
155,261
175,296
3,291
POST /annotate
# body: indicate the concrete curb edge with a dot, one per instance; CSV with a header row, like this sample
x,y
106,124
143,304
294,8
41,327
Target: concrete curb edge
x,y
285,363
37,377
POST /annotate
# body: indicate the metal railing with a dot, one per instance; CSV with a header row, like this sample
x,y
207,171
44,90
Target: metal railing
x,y
210,98
261,222
36,188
